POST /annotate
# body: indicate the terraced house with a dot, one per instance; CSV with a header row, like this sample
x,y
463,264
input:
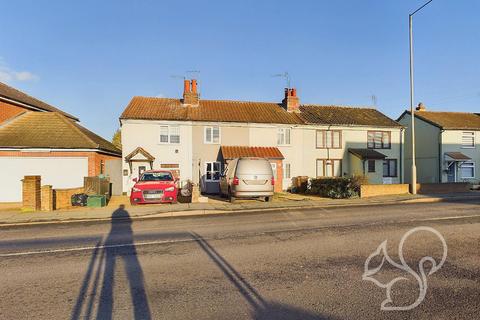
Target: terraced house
x,y
447,147
197,137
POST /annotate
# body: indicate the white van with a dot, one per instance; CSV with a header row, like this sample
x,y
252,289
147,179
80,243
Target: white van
x,y
247,178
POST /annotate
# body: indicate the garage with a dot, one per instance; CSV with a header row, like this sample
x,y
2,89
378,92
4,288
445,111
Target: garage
x,y
60,172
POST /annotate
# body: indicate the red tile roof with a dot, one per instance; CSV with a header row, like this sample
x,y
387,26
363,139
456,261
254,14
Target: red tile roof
x,y
23,98
208,110
253,112
232,152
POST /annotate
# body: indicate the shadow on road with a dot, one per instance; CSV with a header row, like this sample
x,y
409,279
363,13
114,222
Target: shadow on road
x,y
261,308
106,257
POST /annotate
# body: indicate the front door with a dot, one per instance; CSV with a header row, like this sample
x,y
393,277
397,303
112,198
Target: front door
x,y
451,171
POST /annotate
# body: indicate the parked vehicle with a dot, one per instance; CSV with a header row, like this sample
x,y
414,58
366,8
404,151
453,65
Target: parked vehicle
x,y
248,178
154,186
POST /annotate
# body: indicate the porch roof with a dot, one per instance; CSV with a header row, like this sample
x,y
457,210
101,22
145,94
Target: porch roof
x,y
367,154
232,152
457,156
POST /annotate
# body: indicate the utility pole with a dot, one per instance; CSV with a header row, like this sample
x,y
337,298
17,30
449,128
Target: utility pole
x,y
412,108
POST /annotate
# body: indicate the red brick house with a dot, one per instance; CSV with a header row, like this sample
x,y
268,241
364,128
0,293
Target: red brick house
x,y
39,139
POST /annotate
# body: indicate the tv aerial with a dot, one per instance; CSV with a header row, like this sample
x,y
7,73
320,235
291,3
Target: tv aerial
x,y
284,75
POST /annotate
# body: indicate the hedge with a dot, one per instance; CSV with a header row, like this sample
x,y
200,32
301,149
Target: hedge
x,y
335,188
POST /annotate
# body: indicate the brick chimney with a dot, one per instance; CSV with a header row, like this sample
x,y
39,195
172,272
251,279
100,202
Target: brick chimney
x,y
291,102
190,93
421,107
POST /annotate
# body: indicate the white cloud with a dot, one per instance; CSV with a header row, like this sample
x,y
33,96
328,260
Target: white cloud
x,y
9,75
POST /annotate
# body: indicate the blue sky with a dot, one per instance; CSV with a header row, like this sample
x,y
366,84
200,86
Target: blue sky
x,y
90,57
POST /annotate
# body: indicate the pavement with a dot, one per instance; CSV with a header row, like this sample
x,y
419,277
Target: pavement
x,y
10,216
286,264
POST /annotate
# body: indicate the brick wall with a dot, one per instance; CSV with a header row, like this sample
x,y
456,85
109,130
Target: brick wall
x,y
94,158
47,197
8,111
372,190
31,193
63,197
279,178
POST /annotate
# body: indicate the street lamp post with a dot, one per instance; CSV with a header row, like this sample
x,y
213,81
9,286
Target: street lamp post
x,y
412,109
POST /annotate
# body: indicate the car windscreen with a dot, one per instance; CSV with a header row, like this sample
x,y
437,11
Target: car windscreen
x,y
156,176
253,166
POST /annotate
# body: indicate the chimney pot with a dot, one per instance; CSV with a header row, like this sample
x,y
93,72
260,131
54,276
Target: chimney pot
x,y
186,86
194,85
190,95
291,102
421,107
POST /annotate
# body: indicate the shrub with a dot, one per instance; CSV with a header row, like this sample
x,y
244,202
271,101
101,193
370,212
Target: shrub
x,y
335,188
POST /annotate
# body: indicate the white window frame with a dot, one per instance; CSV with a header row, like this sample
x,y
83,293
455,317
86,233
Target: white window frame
x,y
212,128
285,165
213,171
282,136
469,134
169,134
471,164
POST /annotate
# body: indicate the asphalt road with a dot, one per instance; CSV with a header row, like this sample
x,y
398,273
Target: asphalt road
x,y
298,264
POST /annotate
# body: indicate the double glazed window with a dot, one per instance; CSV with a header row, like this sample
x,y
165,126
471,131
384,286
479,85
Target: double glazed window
x,y
329,139
283,136
468,139
467,170
390,168
371,165
212,171
212,135
286,171
329,168
378,140
170,134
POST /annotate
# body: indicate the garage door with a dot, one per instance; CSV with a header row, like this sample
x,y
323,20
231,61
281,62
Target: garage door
x,y
58,172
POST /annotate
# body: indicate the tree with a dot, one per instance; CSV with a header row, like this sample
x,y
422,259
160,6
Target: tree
x,y
117,139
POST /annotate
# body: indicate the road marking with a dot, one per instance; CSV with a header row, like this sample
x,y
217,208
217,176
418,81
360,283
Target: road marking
x,y
26,253
296,229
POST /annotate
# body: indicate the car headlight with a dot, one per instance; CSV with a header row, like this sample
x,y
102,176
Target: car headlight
x,y
136,189
170,189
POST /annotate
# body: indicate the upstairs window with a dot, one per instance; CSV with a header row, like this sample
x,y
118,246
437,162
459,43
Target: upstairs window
x,y
329,139
170,134
212,135
468,139
283,136
378,140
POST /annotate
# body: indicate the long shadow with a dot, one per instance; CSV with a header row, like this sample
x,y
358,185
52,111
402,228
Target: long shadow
x,y
261,308
111,254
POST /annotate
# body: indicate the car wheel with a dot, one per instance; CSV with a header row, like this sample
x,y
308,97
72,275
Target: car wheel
x,y
230,197
268,199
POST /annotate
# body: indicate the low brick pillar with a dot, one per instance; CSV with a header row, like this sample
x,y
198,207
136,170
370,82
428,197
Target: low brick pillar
x,y
31,193
195,193
47,198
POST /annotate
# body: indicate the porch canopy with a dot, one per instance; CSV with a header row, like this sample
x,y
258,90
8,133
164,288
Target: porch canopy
x,y
456,156
139,155
367,154
232,152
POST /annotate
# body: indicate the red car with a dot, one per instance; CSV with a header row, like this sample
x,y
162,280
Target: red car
x,y
154,186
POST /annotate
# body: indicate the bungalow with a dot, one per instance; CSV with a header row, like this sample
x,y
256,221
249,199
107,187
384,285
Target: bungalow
x,y
39,139
197,137
447,147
